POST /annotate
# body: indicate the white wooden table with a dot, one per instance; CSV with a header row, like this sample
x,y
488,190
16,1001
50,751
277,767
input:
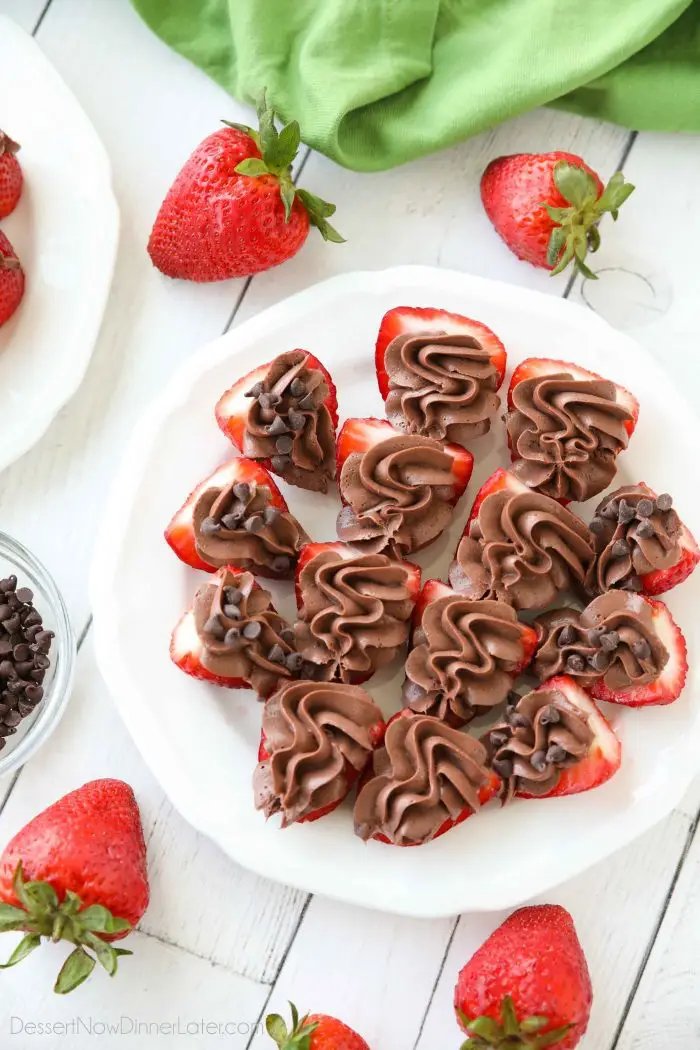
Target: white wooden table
x,y
219,945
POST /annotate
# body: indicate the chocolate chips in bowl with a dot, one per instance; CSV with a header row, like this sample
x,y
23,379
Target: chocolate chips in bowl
x,y
37,654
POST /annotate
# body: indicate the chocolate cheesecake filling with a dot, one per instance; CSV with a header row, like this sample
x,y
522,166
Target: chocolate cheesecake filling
x,y
635,533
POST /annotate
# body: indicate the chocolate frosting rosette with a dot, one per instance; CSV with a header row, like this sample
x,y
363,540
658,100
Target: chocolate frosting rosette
x,y
635,533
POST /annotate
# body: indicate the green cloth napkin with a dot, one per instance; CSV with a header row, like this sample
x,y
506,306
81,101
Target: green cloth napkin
x,y
374,83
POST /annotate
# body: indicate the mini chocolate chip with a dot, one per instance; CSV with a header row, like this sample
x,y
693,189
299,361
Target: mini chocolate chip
x,y
33,618
271,514
34,693
41,661
254,523
625,512
594,635
13,623
255,391
37,675
575,663
277,426
610,510
43,638
21,651
550,716
620,549
287,635
297,388
264,400
307,403
15,686
214,627
567,636
538,761
5,645
645,529
233,595
8,584
25,595
294,661
4,708
519,721
12,718
498,738
25,708
252,630
209,527
229,522
5,613
242,491
284,444
7,669
276,654
555,753
17,638
645,508
597,525
504,767
275,399
664,502
296,420
232,635
609,641
280,463
599,661
633,584
641,649
281,563
232,612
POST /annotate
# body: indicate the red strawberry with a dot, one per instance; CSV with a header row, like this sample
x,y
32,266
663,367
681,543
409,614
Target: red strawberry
x,y
605,754
234,210
86,858
669,685
186,652
180,532
533,367
11,280
312,1032
10,175
528,985
359,435
661,580
547,206
402,320
434,589
310,550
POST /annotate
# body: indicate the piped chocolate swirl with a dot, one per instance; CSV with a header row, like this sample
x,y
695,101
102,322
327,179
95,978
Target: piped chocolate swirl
x,y
239,525
440,385
290,424
635,532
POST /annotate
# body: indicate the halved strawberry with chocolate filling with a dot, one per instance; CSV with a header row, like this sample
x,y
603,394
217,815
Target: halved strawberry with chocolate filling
x,y
668,685
186,650
398,489
285,414
237,516
311,550
540,367
553,741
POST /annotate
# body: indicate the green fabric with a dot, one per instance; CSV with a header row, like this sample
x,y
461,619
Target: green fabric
x,y
375,83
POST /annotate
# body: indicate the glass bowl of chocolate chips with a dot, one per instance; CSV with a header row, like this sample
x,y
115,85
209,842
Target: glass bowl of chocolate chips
x,y
37,654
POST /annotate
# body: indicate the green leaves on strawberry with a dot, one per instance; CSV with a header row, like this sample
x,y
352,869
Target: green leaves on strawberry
x,y
41,915
278,149
575,230
296,1038
511,1034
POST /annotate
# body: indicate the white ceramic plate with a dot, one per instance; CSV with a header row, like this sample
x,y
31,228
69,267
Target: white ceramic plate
x,y
65,231
201,741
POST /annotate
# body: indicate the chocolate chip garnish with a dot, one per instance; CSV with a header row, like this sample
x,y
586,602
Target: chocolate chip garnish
x,y
254,523
519,721
645,529
625,512
538,761
641,649
232,520
252,630
599,661
232,612
271,514
284,444
277,426
232,636
233,595
550,716
504,767
297,388
255,391
265,401
276,654
575,663
307,403
25,595
609,641
498,738
594,635
664,502
281,563
293,661
645,508
567,636
215,628
241,491
287,635
296,420
620,549
597,525
633,584
280,463
209,527
555,753
610,510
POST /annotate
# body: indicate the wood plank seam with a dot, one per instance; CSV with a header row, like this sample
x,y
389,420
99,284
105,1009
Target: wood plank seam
x,y
436,982
41,17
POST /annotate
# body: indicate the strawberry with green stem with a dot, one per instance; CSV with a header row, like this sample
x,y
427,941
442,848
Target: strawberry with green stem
x,y
312,1032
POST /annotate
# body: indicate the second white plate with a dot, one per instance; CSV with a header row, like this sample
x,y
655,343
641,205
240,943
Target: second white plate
x,y
201,741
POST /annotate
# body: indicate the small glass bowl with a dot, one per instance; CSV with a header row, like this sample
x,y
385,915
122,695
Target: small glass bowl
x,y
37,727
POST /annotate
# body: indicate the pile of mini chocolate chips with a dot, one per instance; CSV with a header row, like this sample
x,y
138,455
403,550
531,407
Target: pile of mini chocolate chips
x,y
283,420
235,516
627,514
24,645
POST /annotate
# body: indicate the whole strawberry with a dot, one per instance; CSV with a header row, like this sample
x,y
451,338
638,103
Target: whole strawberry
x,y
10,175
547,206
313,1032
528,986
234,210
77,872
11,280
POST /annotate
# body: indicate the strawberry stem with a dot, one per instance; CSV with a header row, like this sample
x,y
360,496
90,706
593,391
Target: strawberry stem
x,y
511,1034
298,1037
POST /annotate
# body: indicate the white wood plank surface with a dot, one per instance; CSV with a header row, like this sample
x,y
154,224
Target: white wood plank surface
x,y
26,13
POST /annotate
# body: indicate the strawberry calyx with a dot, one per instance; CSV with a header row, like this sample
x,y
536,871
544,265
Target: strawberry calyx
x,y
278,149
8,145
41,915
511,1034
296,1038
575,230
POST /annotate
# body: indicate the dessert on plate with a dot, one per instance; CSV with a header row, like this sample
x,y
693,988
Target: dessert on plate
x,y
354,609
522,547
464,654
234,637
641,543
438,373
566,427
317,738
553,741
426,778
237,516
398,490
285,413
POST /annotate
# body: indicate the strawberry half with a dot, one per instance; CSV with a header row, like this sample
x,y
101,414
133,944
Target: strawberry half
x,y
359,435
180,532
186,652
605,753
233,406
411,320
343,550
669,685
535,367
